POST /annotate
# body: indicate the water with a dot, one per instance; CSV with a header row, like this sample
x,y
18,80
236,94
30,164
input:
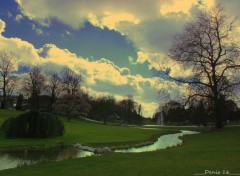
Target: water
x,y
15,159
163,142
19,158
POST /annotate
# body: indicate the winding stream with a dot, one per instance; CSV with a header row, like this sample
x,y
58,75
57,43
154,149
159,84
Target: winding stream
x,y
163,142
16,159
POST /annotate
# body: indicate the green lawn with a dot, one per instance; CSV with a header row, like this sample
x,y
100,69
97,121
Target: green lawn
x,y
219,150
4,114
216,150
78,131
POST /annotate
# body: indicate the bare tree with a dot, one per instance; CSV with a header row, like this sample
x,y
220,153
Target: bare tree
x,y
129,107
34,84
54,86
71,81
72,105
7,80
208,46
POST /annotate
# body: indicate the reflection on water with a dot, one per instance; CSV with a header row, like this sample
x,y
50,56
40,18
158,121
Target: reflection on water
x,y
163,142
14,159
7,162
72,153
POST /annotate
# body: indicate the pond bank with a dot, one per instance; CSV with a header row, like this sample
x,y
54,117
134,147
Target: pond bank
x,y
15,159
163,142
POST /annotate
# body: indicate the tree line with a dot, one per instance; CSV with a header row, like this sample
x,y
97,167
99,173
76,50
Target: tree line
x,y
61,92
208,47
198,112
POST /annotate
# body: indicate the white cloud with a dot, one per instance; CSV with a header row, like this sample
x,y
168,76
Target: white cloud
x,y
142,57
18,18
184,6
101,77
37,30
232,7
146,23
150,25
112,20
74,13
23,51
2,26
160,61
177,6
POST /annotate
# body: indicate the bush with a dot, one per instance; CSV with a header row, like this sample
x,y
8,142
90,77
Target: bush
x,y
33,124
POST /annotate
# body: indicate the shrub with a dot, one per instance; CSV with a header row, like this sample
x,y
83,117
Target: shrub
x,y
33,124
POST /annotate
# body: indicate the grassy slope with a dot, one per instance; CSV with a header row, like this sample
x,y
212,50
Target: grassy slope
x,y
82,132
216,150
219,150
4,114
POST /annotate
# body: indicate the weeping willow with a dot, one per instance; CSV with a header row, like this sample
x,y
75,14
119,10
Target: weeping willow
x,y
33,124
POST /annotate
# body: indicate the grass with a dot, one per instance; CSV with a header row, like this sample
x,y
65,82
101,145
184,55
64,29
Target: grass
x,y
78,131
218,150
4,114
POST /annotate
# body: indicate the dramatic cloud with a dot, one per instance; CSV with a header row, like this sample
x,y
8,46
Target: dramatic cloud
x,y
149,25
184,6
144,22
74,13
232,7
2,26
101,77
24,52
159,61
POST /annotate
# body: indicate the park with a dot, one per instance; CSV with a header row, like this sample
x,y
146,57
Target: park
x,y
209,150
71,105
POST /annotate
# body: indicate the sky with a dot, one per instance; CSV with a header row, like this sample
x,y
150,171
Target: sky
x,y
113,44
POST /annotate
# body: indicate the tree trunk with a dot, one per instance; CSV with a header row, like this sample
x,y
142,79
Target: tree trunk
x,y
53,100
218,115
35,102
3,104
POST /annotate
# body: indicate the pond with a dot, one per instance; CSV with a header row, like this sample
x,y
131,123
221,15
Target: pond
x,y
20,158
163,142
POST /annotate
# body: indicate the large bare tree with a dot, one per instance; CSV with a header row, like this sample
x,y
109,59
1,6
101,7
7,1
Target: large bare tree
x,y
71,81
72,105
129,106
7,80
210,48
54,86
34,84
